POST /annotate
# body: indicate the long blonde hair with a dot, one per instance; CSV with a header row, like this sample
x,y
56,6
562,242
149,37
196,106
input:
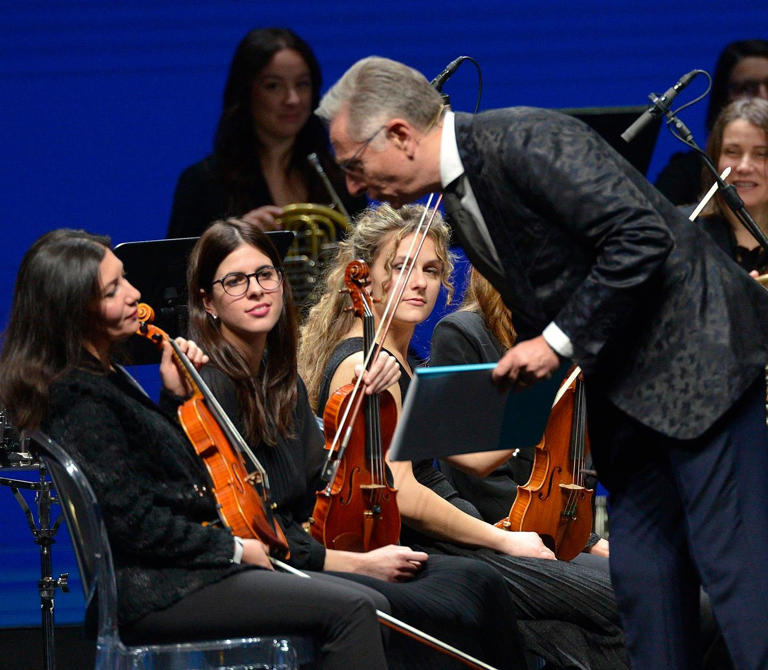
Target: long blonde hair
x,y
328,321
482,298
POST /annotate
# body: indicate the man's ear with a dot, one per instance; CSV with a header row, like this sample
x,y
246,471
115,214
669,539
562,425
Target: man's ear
x,y
401,133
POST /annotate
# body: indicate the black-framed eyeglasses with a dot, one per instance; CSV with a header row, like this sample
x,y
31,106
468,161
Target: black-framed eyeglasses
x,y
747,87
236,283
353,165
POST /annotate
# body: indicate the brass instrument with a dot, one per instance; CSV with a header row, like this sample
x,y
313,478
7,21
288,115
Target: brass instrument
x,y
318,229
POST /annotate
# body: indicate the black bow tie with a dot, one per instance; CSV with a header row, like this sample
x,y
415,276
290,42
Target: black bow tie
x,y
456,187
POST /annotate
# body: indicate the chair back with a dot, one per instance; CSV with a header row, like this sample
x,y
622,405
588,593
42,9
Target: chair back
x,y
94,559
86,528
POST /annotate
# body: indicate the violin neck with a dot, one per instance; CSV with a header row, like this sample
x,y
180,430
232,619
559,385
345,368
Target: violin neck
x,y
579,430
372,405
222,418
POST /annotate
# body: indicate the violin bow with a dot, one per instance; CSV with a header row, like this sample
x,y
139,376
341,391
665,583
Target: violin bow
x,y
405,629
353,408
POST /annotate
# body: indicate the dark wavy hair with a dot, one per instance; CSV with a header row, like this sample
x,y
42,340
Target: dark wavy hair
x,y
57,287
267,400
729,57
235,145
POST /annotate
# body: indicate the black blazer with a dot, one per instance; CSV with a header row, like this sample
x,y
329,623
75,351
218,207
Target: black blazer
x,y
661,321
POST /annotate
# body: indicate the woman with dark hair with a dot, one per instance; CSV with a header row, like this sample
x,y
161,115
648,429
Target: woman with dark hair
x,y
741,72
739,140
241,311
180,574
266,131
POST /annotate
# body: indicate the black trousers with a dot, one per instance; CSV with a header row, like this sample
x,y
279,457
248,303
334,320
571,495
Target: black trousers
x,y
461,601
339,614
685,513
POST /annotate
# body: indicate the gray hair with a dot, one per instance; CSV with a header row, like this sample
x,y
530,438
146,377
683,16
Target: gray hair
x,y
378,89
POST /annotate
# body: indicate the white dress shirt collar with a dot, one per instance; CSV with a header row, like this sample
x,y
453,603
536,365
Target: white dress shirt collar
x,y
451,167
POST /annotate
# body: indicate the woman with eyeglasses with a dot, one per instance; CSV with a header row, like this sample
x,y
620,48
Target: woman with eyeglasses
x,y
741,72
242,313
180,575
265,132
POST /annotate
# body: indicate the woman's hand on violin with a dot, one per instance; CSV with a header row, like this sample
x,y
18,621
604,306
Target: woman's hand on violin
x,y
264,218
255,553
525,543
526,363
383,373
173,378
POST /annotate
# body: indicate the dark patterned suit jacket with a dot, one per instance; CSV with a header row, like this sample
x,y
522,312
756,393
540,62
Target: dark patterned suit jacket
x,y
662,322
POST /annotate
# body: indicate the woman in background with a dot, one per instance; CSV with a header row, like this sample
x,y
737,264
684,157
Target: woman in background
x,y
741,72
739,140
265,132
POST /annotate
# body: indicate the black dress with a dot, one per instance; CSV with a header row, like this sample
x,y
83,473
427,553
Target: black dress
x,y
203,195
566,612
459,601
720,230
680,179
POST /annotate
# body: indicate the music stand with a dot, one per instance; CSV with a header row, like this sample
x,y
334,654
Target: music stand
x,y
610,122
44,531
158,269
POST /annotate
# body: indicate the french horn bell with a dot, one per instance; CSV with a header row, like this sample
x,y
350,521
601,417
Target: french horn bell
x,y
318,229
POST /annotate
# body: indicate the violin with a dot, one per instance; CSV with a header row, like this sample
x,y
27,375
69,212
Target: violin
x,y
357,510
243,498
554,502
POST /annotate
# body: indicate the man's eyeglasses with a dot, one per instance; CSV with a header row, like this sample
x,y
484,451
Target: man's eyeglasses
x,y
236,283
747,87
354,165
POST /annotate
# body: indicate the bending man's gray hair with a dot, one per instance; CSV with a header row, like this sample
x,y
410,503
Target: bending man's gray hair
x,y
378,89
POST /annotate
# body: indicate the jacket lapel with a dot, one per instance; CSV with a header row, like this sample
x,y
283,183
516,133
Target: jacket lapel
x,y
486,177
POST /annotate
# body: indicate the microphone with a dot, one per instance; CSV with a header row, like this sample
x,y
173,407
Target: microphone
x,y
438,81
659,106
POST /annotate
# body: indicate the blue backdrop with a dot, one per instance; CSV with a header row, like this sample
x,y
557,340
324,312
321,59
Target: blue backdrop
x,y
104,103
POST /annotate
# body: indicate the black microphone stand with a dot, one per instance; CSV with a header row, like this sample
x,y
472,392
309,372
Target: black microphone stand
x,y
729,192
44,532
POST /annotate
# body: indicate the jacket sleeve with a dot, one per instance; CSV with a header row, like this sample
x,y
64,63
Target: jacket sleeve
x,y
140,527
197,202
574,180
